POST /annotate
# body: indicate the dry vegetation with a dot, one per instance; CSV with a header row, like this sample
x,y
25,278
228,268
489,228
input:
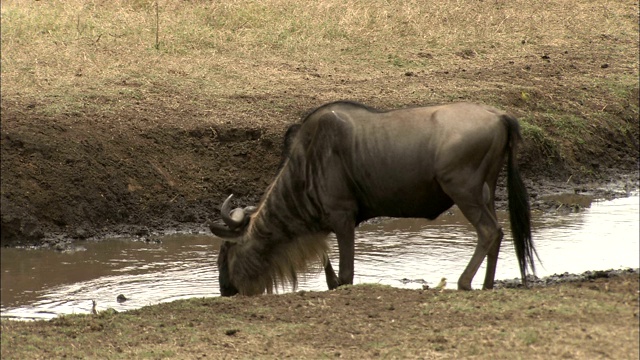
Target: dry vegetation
x,y
559,65
66,53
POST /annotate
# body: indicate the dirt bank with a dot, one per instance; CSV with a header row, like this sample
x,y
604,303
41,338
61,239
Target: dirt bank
x,y
91,174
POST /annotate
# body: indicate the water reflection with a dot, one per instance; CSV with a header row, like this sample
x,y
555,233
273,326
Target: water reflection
x,y
602,237
44,283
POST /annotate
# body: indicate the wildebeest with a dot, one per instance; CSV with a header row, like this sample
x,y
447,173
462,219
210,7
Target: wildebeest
x,y
348,163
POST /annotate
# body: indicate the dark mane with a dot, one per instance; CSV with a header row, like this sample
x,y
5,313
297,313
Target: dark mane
x,y
292,130
289,136
340,102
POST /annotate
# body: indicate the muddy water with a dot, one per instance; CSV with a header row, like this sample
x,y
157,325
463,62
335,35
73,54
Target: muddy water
x,y
398,252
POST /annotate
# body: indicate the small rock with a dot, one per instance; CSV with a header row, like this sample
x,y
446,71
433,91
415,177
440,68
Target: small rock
x,y
152,240
143,231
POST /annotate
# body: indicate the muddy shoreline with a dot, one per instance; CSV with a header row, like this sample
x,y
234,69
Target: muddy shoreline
x,y
587,276
77,178
545,196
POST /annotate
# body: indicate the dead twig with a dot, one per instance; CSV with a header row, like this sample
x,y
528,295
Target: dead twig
x,y
157,27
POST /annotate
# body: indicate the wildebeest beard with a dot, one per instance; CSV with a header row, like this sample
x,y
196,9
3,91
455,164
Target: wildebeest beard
x,y
275,246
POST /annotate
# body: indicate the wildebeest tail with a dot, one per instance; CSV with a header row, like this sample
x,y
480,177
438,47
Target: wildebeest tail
x,y
519,211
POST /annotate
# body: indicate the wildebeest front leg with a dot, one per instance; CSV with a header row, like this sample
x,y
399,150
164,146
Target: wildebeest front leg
x,y
344,228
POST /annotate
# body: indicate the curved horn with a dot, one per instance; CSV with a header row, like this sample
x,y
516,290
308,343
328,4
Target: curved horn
x,y
232,220
224,232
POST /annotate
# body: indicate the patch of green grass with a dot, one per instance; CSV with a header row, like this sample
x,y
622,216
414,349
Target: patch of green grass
x,y
538,136
404,62
366,285
377,345
529,337
620,86
569,127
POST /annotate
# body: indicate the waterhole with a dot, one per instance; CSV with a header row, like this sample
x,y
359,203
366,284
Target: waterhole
x,y
409,253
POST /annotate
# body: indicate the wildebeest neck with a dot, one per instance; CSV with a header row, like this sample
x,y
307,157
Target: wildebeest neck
x,y
288,209
278,242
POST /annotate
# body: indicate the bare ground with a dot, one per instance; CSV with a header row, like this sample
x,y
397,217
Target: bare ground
x,y
592,319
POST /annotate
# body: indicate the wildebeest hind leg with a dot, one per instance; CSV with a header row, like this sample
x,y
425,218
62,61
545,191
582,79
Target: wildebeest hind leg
x,y
489,236
492,261
488,195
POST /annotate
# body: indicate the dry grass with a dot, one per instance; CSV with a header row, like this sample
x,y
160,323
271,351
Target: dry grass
x,y
72,50
260,64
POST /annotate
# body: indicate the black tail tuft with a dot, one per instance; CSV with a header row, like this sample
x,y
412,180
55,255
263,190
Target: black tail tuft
x,y
519,211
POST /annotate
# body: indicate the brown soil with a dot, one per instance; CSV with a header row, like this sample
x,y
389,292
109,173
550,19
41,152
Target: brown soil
x,y
154,166
590,319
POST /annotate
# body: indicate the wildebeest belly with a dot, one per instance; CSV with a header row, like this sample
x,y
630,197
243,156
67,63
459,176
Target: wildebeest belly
x,y
395,195
396,170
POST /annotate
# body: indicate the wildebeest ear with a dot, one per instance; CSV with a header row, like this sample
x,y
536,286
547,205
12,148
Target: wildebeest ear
x,y
224,232
250,210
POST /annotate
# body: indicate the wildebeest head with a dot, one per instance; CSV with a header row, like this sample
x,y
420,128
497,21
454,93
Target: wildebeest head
x,y
236,221
262,251
226,287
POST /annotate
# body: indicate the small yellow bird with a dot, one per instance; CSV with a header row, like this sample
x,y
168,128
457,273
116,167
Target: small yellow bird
x,y
442,284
